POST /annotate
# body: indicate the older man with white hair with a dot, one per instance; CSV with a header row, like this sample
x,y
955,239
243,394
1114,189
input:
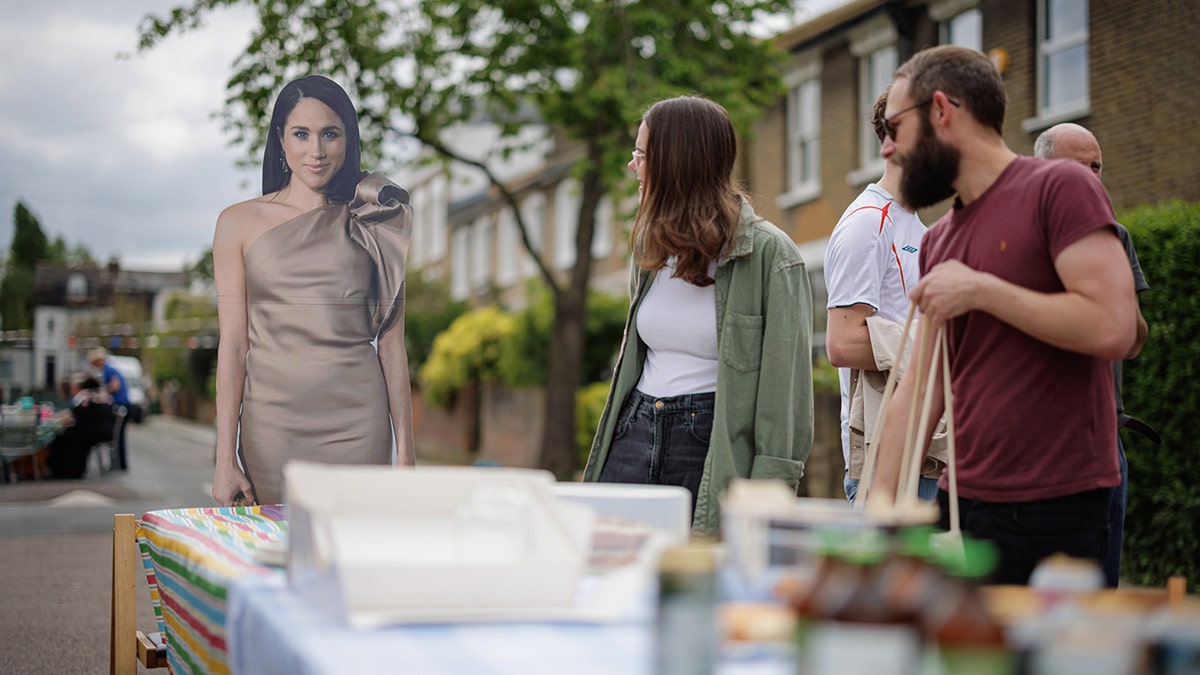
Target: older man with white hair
x,y
1075,143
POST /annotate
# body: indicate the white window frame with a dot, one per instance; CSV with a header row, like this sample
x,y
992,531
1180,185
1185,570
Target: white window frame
x,y
602,230
566,214
460,259
508,248
420,228
1047,116
437,209
482,249
533,212
803,134
875,39
947,13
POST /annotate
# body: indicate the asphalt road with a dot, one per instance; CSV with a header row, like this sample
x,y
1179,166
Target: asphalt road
x,y
56,548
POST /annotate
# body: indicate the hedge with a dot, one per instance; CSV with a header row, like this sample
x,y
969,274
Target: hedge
x,y
1162,525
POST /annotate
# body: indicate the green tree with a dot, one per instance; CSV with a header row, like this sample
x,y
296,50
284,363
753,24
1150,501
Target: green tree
x,y
428,310
29,245
587,68
202,269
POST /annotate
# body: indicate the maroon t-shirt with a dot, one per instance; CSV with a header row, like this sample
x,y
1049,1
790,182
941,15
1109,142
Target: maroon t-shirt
x,y
1032,421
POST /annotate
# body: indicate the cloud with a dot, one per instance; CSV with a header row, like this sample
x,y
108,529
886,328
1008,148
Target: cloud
x,y
121,155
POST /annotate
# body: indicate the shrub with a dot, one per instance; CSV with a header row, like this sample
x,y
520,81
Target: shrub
x,y
428,310
1162,535
589,404
467,351
525,362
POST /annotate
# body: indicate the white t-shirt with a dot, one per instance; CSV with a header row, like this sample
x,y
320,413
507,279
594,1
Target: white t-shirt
x,y
678,323
872,258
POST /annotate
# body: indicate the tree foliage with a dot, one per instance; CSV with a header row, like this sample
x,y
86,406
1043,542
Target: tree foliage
x,y
1161,387
469,350
428,310
585,68
29,245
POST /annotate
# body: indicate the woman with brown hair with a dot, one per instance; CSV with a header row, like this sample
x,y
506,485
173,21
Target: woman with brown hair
x,y
714,377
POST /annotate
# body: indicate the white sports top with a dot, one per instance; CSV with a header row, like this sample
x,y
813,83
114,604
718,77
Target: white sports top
x,y
872,258
678,323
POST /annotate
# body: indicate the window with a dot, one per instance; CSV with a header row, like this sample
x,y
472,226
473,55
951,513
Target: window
x,y
802,112
1063,89
813,253
959,22
77,287
1062,56
876,71
420,238
566,214
533,212
460,252
435,206
481,253
965,30
508,248
602,233
874,44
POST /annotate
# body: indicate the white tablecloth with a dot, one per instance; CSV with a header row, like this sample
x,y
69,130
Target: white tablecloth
x,y
272,629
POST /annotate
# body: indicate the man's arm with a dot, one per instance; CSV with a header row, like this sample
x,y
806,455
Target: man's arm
x,y
847,340
1095,315
1143,332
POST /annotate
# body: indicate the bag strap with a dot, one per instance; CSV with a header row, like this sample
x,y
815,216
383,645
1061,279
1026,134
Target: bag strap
x,y
917,424
872,458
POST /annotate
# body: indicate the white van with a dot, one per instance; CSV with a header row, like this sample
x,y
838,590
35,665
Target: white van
x,y
131,369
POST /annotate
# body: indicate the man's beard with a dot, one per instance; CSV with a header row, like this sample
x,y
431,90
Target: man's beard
x,y
930,170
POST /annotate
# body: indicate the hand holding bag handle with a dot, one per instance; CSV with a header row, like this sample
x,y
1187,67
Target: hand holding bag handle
x,y
915,431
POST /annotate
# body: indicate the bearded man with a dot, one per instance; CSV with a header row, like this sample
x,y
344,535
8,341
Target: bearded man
x,y
1031,282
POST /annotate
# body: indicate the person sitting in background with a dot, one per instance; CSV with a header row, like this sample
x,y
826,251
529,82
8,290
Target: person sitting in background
x,y
88,421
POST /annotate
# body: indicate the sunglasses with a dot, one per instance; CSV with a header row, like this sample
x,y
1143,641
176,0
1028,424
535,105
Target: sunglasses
x,y
889,125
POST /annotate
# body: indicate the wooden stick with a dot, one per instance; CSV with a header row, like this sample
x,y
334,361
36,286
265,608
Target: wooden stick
x,y
916,458
948,397
910,436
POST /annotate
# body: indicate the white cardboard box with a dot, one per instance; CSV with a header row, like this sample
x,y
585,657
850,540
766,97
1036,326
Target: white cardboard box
x,y
382,545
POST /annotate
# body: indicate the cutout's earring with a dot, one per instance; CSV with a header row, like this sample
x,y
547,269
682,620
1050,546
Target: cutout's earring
x,y
283,163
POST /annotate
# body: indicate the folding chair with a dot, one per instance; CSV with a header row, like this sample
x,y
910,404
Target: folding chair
x,y
127,645
18,439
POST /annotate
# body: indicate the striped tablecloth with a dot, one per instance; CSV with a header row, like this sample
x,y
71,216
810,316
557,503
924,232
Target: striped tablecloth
x,y
191,557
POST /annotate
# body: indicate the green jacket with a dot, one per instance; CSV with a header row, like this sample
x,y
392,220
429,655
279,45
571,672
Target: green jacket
x,y
763,421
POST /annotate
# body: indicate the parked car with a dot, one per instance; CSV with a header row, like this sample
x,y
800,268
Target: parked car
x,y
131,369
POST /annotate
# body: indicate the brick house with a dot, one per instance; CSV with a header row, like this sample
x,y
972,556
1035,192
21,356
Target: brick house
x,y
1126,70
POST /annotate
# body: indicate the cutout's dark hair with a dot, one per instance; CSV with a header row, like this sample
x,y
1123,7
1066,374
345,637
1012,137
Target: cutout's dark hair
x,y
341,187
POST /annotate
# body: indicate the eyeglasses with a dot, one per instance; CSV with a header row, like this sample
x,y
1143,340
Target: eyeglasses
x,y
638,155
889,127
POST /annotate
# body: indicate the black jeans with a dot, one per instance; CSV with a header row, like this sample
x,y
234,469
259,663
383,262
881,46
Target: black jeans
x,y
661,441
1027,532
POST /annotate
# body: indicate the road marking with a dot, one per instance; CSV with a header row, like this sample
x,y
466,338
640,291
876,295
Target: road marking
x,y
80,498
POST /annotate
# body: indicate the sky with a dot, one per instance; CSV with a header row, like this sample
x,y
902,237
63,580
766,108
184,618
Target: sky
x,y
123,155
120,155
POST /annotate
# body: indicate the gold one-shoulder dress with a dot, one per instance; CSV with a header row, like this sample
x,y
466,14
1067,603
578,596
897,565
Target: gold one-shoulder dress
x,y
320,289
